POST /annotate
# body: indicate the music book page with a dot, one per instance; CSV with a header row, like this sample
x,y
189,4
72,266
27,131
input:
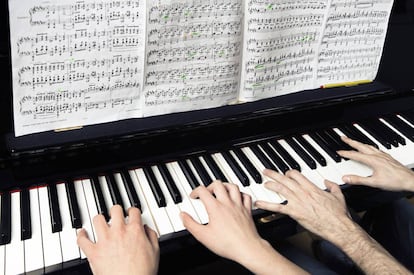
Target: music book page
x,y
78,63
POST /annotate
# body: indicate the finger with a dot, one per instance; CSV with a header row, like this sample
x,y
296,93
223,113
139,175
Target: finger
x,y
219,190
152,236
354,179
84,243
273,207
204,195
117,216
134,215
234,193
301,180
100,226
361,147
195,228
247,202
280,188
334,189
276,176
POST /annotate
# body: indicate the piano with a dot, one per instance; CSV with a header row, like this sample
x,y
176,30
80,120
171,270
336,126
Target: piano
x,y
53,183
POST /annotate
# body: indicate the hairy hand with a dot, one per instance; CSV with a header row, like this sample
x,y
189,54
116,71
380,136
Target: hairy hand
x,y
321,212
388,173
121,248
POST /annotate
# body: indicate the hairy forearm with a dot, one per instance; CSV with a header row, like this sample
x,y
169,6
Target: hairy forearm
x,y
366,253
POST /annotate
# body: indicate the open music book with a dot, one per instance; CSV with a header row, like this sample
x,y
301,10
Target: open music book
x,y
79,63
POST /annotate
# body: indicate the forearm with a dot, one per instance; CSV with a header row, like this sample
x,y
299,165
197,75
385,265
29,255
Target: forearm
x,y
265,260
366,253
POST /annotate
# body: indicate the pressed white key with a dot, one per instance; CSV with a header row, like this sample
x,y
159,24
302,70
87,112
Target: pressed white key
x,y
312,175
171,208
51,241
197,204
232,177
330,171
15,250
145,211
277,198
122,191
186,204
2,247
70,249
90,202
159,214
404,154
33,248
83,208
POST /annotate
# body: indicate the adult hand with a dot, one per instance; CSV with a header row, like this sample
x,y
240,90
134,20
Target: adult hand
x,y
321,212
121,247
388,173
231,232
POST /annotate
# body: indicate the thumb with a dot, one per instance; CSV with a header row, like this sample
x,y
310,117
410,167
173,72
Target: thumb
x,y
354,179
191,225
334,189
84,242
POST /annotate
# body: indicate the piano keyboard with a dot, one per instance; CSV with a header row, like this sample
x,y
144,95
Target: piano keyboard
x,y
38,225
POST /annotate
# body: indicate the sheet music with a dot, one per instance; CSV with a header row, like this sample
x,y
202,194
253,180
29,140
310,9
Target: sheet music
x,y
281,43
76,62
83,62
193,54
353,41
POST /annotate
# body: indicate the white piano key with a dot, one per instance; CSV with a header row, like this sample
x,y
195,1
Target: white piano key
x,y
197,204
83,208
121,187
403,153
205,165
33,248
52,250
159,214
311,175
14,260
70,249
186,204
276,198
171,208
232,177
145,211
90,202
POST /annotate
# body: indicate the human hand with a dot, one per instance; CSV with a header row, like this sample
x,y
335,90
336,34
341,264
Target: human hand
x,y
321,212
388,173
121,248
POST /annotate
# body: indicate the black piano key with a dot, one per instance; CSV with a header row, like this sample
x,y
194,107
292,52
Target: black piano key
x,y
114,191
155,187
75,214
267,163
170,183
391,136
5,219
408,115
396,136
99,197
337,139
201,171
275,157
373,132
401,126
188,173
54,208
215,169
311,150
25,219
254,173
285,155
241,175
301,153
354,133
325,145
130,189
